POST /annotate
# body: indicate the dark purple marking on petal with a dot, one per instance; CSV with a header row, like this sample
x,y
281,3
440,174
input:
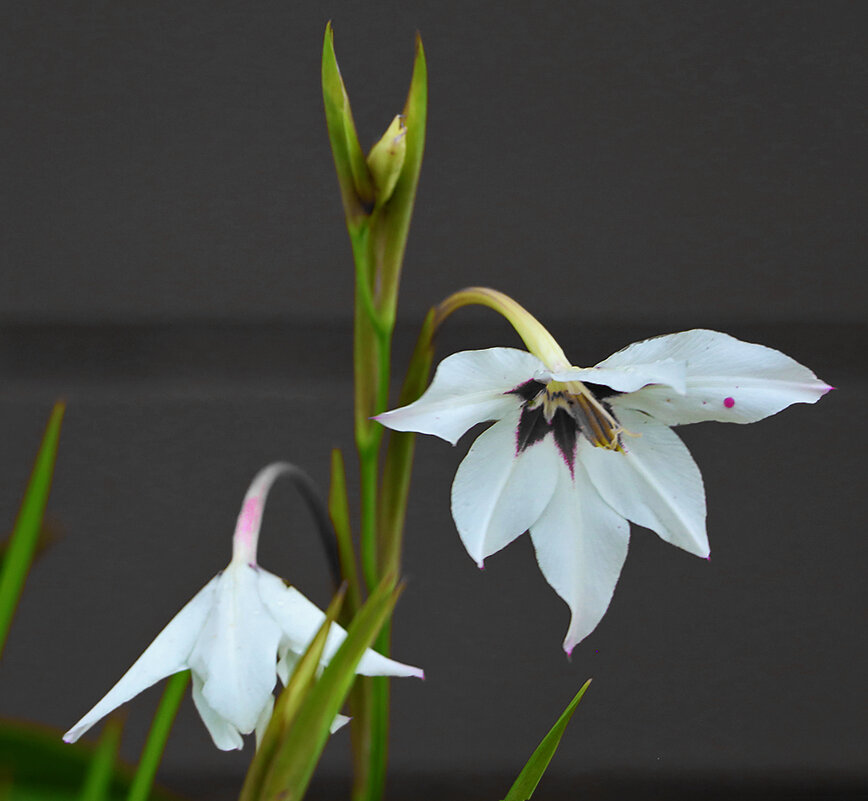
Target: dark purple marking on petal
x,y
565,432
527,391
729,402
532,427
600,391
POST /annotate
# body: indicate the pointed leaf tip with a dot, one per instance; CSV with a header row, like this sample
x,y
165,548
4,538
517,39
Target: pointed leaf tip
x,y
533,771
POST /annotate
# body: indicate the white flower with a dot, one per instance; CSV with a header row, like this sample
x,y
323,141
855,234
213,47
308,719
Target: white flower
x,y
575,453
239,632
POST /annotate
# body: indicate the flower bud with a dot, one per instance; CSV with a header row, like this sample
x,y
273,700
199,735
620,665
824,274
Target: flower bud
x,y
386,159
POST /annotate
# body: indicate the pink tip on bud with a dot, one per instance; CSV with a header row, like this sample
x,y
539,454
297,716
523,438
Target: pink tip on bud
x,y
828,388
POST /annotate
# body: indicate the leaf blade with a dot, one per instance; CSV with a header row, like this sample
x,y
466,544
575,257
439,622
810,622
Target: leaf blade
x,y
25,534
357,189
307,736
527,781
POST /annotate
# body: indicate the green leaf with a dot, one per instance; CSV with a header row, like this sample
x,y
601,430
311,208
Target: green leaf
x,y
398,467
97,783
532,772
27,748
339,512
300,750
25,534
152,753
357,188
288,704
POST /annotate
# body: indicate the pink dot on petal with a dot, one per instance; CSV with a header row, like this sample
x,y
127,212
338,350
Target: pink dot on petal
x,y
729,402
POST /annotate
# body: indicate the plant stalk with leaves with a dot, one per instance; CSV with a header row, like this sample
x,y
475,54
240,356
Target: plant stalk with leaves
x,y
378,192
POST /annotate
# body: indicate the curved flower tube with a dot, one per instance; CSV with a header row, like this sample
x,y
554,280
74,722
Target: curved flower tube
x,y
577,452
238,634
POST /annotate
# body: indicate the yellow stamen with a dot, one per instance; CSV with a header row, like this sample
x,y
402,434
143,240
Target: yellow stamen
x,y
605,431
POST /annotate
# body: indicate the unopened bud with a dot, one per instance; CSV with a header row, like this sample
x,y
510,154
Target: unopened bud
x,y
386,159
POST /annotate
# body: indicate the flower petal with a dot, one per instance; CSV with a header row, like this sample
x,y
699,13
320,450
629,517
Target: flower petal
x,y
468,388
498,494
236,653
581,545
727,380
338,723
225,736
264,719
287,659
654,483
630,377
299,620
167,654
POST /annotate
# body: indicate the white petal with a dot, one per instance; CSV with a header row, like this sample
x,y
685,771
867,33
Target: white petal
x,y
374,664
630,377
581,545
655,483
166,655
338,723
223,733
498,494
236,653
264,720
299,620
727,380
286,661
468,388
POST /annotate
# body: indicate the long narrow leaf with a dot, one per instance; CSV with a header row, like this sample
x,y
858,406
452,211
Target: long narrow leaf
x,y
357,189
97,783
339,512
307,736
532,772
152,753
25,534
27,748
398,466
288,704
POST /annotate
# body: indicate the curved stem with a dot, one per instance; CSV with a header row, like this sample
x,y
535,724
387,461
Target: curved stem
x,y
246,538
538,340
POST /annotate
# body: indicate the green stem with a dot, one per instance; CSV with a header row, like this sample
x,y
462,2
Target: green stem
x,y
398,465
152,753
100,772
368,539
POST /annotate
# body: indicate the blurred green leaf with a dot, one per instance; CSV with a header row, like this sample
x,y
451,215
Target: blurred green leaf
x,y
152,753
25,534
38,766
532,772
305,738
97,782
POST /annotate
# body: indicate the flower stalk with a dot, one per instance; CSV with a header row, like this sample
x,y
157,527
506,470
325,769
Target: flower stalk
x,y
378,193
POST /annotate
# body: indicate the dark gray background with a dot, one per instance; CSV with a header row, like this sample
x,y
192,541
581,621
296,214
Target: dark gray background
x,y
174,263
